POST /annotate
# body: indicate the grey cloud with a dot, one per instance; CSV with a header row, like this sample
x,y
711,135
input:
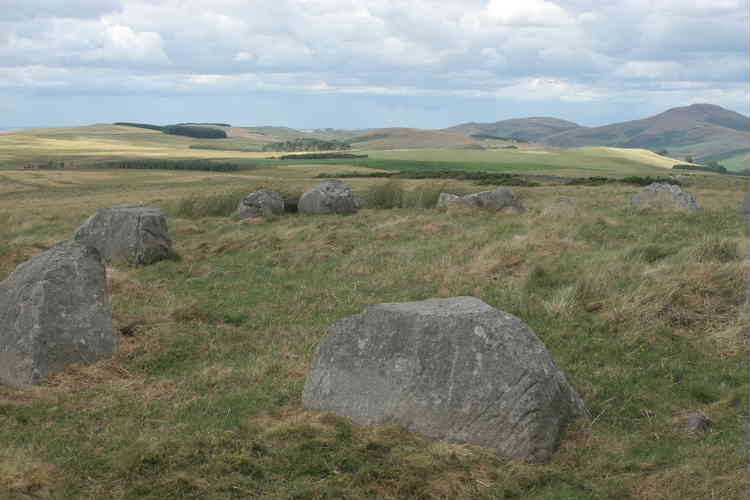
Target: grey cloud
x,y
424,47
16,10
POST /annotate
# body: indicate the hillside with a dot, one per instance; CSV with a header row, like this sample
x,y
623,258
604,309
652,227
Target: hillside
x,y
703,131
279,134
95,143
525,129
699,130
412,138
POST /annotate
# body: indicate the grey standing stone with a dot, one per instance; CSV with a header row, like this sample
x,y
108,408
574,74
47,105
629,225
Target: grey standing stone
x,y
131,233
453,369
663,196
261,203
497,199
328,197
54,312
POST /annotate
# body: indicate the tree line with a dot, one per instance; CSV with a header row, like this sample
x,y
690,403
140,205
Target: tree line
x,y
198,131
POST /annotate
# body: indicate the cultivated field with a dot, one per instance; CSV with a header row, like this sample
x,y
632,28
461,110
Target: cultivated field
x,y
646,313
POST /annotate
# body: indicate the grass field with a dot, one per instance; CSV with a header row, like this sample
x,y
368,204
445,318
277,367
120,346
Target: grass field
x,y
574,162
95,143
87,146
646,314
736,161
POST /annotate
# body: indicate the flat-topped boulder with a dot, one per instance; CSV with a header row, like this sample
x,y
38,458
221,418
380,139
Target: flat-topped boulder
x,y
495,200
132,233
453,369
328,197
665,197
54,312
261,203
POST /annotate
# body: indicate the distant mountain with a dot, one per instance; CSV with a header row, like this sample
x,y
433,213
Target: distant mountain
x,y
703,131
525,129
699,130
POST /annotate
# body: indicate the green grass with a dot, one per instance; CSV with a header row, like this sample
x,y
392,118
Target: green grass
x,y
553,161
736,160
644,312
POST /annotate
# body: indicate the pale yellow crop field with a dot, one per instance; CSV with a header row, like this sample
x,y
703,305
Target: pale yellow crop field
x,y
640,155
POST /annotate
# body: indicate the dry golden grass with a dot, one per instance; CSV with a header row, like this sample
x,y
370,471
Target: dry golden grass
x,y
104,142
640,155
24,476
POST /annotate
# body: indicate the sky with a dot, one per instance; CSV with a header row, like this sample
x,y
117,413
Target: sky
x,y
367,63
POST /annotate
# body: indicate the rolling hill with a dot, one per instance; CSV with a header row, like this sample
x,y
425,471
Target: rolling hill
x,y
525,129
699,130
704,131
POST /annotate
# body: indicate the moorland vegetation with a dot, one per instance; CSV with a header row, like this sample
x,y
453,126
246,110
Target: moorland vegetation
x,y
307,144
646,312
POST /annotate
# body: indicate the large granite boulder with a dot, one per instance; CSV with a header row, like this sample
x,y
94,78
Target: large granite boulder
x,y
498,199
130,233
328,197
453,369
261,203
666,197
54,312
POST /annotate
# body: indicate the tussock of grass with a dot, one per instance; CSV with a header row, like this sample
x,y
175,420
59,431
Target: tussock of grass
x,y
393,194
716,249
24,475
220,205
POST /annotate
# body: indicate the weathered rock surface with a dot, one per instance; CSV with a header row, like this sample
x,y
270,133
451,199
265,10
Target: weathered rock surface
x,y
453,369
501,198
54,312
328,197
131,233
697,422
261,203
663,196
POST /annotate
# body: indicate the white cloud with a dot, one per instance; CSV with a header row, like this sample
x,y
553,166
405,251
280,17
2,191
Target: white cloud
x,y
64,42
122,43
527,12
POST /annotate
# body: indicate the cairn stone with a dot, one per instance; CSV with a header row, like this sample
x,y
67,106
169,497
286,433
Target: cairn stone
x,y
498,199
328,197
665,197
452,369
130,233
261,203
54,312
